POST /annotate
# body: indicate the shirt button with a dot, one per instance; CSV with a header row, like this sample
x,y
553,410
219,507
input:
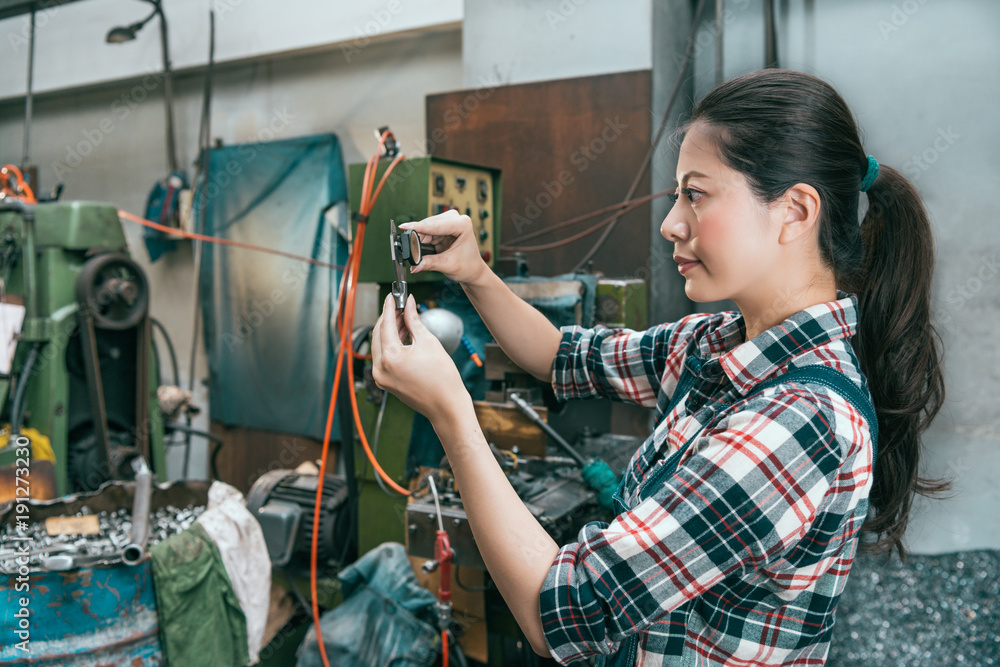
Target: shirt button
x,y
713,371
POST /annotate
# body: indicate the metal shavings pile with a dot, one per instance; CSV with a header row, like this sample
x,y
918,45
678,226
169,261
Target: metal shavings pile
x,y
114,535
927,612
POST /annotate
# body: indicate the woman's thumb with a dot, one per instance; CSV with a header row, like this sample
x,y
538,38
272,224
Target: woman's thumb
x,y
412,319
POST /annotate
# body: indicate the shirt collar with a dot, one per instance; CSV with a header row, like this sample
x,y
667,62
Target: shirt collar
x,y
748,363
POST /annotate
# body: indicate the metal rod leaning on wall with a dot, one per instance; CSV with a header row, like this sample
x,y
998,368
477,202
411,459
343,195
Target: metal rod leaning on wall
x,y
205,139
134,551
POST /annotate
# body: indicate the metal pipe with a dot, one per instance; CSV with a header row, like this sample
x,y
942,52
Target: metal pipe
x,y
529,411
719,12
136,548
770,36
30,277
29,96
168,91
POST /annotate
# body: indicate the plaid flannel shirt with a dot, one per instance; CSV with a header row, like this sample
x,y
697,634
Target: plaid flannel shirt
x,y
740,556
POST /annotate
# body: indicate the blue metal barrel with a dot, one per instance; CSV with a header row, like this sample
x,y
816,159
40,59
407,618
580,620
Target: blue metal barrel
x,y
102,616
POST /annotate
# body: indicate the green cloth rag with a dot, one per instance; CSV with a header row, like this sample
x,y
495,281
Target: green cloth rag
x,y
201,621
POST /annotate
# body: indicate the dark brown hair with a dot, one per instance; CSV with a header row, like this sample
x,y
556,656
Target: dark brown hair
x,y
781,127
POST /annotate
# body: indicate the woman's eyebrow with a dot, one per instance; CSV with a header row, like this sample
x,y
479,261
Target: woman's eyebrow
x,y
689,174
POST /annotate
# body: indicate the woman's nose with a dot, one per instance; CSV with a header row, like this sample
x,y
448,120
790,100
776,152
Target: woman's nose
x,y
673,227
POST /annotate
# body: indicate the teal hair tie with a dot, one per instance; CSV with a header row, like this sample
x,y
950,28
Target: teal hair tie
x,y
870,175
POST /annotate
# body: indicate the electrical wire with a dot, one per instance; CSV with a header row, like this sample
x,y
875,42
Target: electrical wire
x,y
17,406
610,220
170,349
514,244
688,53
375,440
471,589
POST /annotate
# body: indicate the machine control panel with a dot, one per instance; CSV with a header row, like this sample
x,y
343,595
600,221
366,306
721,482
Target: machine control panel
x,y
469,191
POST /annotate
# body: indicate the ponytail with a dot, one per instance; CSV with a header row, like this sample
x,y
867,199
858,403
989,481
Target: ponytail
x,y
898,348
781,127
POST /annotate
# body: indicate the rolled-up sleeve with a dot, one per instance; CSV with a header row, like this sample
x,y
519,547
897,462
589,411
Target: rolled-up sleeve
x,y
622,364
750,491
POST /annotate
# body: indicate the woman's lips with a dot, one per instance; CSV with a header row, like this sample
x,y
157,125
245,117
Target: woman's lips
x,y
684,264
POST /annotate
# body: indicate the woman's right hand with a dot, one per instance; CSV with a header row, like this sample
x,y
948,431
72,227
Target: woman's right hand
x,y
454,239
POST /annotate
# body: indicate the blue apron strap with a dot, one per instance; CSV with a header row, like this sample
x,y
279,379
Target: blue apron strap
x,y
692,366
689,375
837,382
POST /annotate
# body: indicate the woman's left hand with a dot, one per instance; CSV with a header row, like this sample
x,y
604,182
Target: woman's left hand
x,y
421,374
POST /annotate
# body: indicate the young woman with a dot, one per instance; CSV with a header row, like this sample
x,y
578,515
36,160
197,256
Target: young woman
x,y
738,519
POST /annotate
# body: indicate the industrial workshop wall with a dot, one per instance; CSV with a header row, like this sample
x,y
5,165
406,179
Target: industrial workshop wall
x,y
70,51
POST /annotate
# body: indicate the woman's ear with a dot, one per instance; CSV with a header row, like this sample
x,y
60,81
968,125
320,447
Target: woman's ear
x,y
797,212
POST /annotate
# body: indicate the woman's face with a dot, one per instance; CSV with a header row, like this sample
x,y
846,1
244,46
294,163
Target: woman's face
x,y
718,222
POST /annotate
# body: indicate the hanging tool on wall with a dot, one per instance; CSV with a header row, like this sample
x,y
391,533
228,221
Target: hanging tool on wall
x,y
596,473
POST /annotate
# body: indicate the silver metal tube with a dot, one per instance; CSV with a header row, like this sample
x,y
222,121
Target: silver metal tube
x,y
29,96
529,411
136,548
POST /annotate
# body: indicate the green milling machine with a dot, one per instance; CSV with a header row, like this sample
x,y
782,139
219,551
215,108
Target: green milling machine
x,y
82,373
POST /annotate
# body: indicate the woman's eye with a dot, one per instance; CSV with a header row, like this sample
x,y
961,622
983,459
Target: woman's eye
x,y
692,195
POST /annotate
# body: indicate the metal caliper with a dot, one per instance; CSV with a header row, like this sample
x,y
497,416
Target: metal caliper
x,y
406,250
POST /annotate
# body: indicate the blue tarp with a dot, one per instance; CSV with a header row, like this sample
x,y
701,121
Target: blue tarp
x,y
267,318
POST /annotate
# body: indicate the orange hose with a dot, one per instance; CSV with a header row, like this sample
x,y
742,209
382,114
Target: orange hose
x,y
22,190
314,550
444,648
221,241
345,325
